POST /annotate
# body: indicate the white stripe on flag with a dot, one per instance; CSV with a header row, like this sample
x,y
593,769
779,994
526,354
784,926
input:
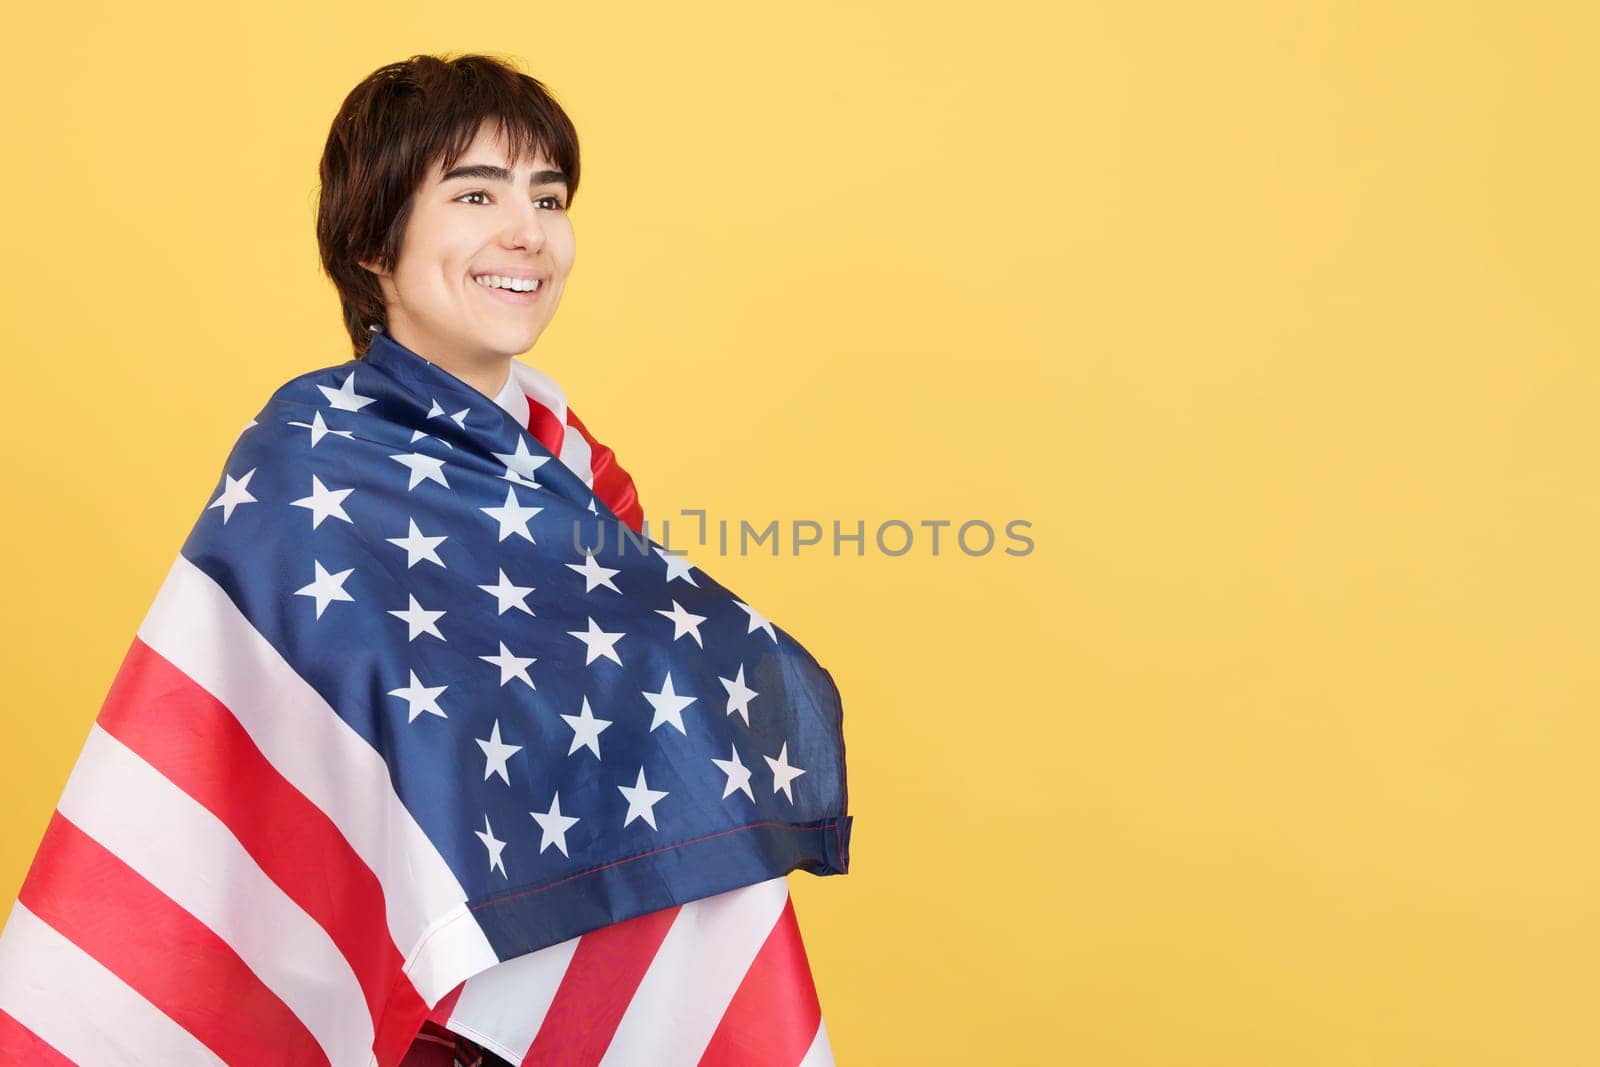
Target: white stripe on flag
x,y
820,1054
576,454
539,388
695,974
505,1005
190,855
198,629
45,983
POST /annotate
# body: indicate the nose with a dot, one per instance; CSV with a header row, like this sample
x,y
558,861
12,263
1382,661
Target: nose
x,y
522,226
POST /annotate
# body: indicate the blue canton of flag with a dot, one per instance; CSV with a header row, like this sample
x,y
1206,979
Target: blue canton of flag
x,y
585,726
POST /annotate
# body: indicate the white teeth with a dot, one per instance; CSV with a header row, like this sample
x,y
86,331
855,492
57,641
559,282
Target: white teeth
x,y
497,281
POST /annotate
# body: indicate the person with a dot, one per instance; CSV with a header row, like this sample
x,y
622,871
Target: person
x,y
279,807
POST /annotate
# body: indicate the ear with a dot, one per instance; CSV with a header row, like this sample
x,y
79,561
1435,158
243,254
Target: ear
x,y
371,268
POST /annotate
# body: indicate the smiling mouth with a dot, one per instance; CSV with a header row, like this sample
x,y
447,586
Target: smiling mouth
x,y
509,290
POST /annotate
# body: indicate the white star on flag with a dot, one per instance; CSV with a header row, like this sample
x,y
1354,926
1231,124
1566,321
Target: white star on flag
x,y
555,826
319,429
738,774
419,620
512,516
598,643
495,754
418,547
739,694
641,801
511,666
460,417
758,621
508,595
678,565
495,847
345,398
782,773
683,621
420,698
586,730
669,706
521,464
417,435
423,469
233,494
326,588
324,502
594,574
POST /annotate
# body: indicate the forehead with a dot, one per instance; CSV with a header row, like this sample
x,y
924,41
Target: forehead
x,y
490,146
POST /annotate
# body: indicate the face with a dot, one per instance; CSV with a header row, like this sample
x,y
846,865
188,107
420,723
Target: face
x,y
483,218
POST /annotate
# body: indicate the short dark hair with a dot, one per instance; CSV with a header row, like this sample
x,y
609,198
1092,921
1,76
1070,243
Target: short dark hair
x,y
389,130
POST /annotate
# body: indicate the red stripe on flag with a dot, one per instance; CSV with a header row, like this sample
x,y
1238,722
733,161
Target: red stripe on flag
x,y
544,425
774,1016
18,1044
605,970
611,483
163,953
447,1004
195,742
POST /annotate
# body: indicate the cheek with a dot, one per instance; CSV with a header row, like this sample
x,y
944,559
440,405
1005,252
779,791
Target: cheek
x,y
435,247
562,244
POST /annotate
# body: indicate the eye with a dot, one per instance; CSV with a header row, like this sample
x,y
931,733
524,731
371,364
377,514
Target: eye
x,y
556,202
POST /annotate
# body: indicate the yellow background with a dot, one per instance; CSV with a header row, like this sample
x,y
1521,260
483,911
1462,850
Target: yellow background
x,y
1275,320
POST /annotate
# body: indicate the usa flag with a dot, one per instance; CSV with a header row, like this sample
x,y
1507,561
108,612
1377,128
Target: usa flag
x,y
417,729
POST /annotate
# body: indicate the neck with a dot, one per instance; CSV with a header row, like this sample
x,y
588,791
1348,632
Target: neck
x,y
487,379
487,376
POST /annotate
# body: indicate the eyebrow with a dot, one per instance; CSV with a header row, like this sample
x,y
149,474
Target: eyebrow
x,y
490,172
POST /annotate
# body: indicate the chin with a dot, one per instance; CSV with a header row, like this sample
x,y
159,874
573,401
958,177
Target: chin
x,y
511,342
